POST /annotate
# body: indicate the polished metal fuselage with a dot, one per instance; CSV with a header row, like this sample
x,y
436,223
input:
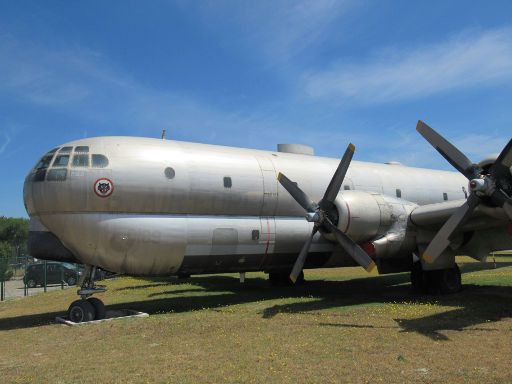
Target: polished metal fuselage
x,y
218,209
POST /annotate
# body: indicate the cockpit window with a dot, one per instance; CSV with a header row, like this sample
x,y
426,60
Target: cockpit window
x,y
44,162
39,175
99,161
80,160
57,174
61,160
82,149
65,150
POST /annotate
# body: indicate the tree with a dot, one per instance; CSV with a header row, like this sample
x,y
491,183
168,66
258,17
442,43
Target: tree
x,y
15,232
5,255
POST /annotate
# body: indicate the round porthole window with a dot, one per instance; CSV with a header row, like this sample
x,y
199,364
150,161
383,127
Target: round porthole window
x,y
169,173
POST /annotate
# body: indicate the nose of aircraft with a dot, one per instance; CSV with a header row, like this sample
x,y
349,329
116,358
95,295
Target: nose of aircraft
x,y
42,244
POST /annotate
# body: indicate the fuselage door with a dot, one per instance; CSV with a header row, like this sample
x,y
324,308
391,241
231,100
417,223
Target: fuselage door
x,y
268,172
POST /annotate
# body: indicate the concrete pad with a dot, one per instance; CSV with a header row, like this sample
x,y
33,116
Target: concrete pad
x,y
110,315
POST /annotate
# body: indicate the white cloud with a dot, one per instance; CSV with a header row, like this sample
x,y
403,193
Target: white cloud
x,y
467,60
4,143
85,85
277,31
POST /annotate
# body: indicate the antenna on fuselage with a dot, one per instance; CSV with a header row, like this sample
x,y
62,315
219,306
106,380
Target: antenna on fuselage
x,y
163,134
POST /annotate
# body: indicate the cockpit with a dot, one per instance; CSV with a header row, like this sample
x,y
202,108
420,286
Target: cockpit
x,y
54,165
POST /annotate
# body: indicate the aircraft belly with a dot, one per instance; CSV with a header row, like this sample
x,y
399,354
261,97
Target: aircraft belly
x,y
125,243
167,244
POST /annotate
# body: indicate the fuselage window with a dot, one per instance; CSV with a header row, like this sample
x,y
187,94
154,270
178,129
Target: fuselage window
x,y
80,160
227,182
65,150
346,187
445,196
398,193
99,161
58,174
82,149
169,173
61,161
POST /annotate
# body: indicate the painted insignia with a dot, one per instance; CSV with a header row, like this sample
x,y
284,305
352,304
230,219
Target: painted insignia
x,y
103,187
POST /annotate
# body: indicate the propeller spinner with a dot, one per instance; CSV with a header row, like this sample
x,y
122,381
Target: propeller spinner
x,y
321,215
491,186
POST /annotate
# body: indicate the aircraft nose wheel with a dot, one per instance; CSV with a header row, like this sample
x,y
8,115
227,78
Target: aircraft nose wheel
x,y
80,311
87,308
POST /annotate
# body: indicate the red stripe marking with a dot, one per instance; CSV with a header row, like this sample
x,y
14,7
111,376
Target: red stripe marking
x,y
268,237
509,229
348,219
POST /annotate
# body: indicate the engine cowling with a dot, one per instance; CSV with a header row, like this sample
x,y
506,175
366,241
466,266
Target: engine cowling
x,y
363,215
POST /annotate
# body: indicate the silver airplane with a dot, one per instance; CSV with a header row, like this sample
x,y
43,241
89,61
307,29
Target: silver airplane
x,y
154,207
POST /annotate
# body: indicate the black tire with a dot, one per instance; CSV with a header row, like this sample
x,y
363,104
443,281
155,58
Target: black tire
x,y
81,311
99,308
183,275
418,279
31,283
71,281
450,280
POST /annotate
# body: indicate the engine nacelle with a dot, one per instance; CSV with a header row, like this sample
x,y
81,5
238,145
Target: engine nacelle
x,y
365,216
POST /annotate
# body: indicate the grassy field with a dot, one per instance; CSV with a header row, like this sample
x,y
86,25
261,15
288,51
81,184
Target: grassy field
x,y
341,326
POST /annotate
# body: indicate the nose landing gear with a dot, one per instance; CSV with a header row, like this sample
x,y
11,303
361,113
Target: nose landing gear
x,y
87,308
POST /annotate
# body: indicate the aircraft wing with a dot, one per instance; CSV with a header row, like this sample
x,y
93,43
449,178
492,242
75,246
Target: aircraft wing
x,y
432,216
483,230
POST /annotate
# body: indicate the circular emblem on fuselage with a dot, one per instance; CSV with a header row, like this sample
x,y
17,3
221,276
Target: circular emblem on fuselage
x,y
103,187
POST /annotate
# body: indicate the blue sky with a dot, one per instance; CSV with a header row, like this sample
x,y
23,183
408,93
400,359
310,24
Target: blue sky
x,y
254,74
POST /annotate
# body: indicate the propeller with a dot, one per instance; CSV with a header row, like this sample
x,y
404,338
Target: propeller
x,y
323,214
490,186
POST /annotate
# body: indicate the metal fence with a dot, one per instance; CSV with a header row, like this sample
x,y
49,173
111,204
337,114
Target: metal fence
x,y
30,277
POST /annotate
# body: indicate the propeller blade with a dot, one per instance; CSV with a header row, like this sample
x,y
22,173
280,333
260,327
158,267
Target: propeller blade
x,y
337,179
354,250
500,170
297,193
448,151
301,259
442,238
505,157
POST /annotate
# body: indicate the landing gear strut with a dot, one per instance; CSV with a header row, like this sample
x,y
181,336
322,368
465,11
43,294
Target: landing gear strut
x,y
441,281
87,308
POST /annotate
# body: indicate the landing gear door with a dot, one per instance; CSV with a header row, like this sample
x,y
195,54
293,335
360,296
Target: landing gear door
x,y
268,172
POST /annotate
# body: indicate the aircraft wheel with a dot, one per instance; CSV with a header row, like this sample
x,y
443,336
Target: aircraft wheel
x,y
183,275
99,308
80,311
449,280
418,278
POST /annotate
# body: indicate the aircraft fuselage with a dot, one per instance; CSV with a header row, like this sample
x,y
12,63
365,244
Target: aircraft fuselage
x,y
156,207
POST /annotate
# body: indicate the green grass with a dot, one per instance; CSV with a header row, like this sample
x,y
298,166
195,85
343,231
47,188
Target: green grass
x,y
341,326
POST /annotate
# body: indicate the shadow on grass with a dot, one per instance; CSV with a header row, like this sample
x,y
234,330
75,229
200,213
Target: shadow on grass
x,y
474,305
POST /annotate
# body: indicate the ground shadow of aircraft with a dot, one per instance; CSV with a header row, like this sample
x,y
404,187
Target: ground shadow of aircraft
x,y
475,304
